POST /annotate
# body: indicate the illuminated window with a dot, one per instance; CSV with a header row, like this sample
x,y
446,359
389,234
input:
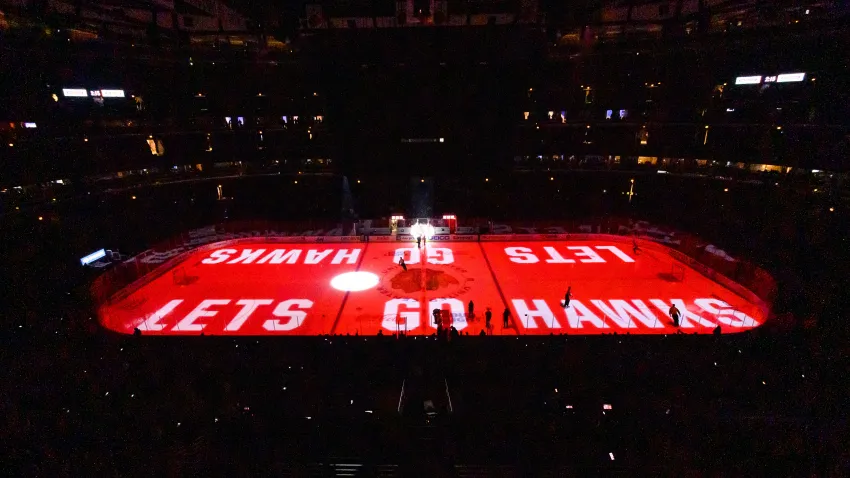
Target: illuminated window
x,y
155,146
766,168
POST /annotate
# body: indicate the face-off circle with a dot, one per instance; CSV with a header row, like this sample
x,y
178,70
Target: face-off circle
x,y
445,281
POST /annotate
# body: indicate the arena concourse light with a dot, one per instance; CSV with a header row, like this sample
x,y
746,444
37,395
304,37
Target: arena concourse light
x,y
75,92
781,78
112,93
791,77
748,80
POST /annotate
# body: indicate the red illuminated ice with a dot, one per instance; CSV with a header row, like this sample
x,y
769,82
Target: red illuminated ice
x,y
355,281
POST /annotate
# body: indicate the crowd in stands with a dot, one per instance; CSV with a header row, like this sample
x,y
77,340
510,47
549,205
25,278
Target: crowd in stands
x,y
82,401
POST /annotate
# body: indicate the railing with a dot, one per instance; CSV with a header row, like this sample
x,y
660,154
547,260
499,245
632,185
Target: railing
x,y
742,276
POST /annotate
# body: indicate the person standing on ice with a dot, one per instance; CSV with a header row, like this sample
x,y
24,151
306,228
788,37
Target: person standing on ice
x,y
674,314
418,242
568,296
402,264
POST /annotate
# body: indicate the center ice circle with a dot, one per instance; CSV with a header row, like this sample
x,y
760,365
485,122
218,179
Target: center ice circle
x,y
355,281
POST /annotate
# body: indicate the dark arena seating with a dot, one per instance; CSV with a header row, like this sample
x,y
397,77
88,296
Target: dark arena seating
x,y
701,145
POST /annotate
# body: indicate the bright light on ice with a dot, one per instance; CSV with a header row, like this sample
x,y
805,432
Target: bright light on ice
x,y
420,230
354,281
